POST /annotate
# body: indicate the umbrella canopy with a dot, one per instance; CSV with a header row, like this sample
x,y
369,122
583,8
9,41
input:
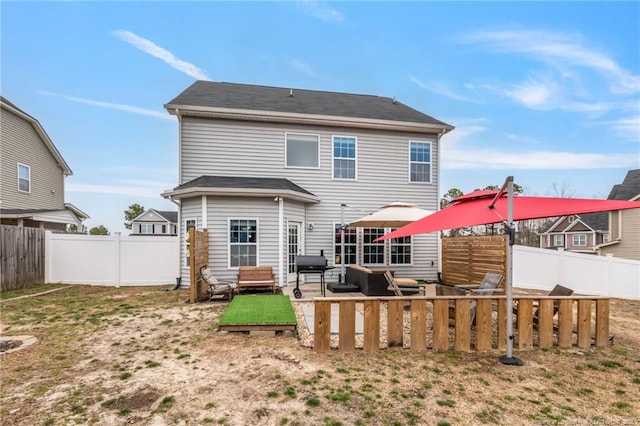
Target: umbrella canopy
x,y
392,215
476,208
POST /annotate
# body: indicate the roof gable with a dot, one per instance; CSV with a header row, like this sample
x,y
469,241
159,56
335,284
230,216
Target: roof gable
x,y
153,215
245,97
629,189
4,103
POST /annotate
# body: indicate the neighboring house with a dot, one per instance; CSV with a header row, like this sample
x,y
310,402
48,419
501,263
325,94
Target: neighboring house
x,y
266,170
32,175
155,222
577,233
624,226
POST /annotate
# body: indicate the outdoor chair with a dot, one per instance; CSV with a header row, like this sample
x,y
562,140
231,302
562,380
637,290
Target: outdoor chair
x,y
403,286
490,285
226,289
559,291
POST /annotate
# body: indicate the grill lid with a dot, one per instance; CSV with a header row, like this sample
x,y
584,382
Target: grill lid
x,y
311,263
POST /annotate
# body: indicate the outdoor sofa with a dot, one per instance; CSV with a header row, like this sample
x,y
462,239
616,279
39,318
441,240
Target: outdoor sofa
x,y
371,283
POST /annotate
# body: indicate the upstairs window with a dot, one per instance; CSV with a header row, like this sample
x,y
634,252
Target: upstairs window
x,y
24,178
420,162
605,238
243,242
302,151
344,157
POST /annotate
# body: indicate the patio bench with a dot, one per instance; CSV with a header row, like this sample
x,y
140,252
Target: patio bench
x,y
256,276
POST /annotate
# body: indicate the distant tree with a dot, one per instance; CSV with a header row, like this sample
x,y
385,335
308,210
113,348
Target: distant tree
x,y
448,196
563,190
131,213
99,230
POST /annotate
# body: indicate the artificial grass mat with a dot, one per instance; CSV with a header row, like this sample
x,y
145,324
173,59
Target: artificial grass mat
x,y
259,309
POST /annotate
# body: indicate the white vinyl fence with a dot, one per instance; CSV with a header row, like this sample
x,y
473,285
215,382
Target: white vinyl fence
x,y
112,260
541,269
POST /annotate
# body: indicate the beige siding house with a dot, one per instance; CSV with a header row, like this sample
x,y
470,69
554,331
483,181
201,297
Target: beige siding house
x,y
624,226
32,174
577,233
271,172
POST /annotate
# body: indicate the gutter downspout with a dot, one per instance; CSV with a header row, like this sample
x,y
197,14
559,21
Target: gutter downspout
x,y
280,241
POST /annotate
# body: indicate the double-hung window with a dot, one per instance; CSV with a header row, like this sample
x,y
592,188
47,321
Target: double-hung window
x,y
372,253
302,151
243,242
344,157
146,228
558,241
579,240
420,162
400,250
350,245
24,178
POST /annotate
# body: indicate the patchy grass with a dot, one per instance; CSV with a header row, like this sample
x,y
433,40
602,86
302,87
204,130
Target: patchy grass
x,y
130,355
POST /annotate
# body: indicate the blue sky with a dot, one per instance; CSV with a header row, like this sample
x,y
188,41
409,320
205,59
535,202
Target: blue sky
x,y
546,91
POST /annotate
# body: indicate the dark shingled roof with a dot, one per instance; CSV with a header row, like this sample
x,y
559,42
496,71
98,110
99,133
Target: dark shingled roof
x,y
597,221
629,188
171,216
242,183
285,100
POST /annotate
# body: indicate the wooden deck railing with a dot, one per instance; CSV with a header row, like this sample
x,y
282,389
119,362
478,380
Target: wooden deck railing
x,y
452,328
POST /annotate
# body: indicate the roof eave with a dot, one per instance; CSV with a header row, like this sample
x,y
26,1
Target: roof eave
x,y
298,118
43,135
239,192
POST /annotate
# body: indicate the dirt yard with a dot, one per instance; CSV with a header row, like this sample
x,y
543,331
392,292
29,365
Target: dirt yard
x,y
143,356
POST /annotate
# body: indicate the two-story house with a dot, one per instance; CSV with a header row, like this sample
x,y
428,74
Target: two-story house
x,y
624,225
577,233
32,175
269,171
155,222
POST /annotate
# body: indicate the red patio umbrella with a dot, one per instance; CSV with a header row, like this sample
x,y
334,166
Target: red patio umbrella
x,y
486,207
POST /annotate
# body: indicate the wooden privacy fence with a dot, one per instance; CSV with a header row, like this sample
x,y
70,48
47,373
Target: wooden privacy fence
x,y
21,257
466,260
198,257
451,325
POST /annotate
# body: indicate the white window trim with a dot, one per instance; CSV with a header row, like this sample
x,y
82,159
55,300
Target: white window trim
x,y
390,241
286,141
573,240
557,237
185,239
257,243
430,143
355,159
29,178
386,249
336,226
146,225
605,238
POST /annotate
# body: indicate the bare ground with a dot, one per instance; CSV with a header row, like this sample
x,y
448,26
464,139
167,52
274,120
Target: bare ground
x,y
142,356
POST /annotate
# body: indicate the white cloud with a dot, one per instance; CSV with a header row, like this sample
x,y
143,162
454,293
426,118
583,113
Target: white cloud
x,y
120,107
303,67
440,89
532,93
142,189
153,49
627,128
321,10
565,50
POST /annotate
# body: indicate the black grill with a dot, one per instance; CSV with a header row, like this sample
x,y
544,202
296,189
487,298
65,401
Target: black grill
x,y
310,265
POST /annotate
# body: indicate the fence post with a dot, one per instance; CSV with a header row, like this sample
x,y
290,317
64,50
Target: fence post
x,y
609,273
117,258
561,266
48,257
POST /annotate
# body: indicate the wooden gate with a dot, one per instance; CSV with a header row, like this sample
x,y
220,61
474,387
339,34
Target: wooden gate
x,y
198,257
21,257
465,260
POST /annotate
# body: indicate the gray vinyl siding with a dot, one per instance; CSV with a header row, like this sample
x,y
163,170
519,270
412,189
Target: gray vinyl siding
x,y
19,143
220,211
231,148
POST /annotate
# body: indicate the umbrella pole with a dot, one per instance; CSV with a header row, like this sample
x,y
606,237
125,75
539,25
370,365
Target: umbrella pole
x,y
509,359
